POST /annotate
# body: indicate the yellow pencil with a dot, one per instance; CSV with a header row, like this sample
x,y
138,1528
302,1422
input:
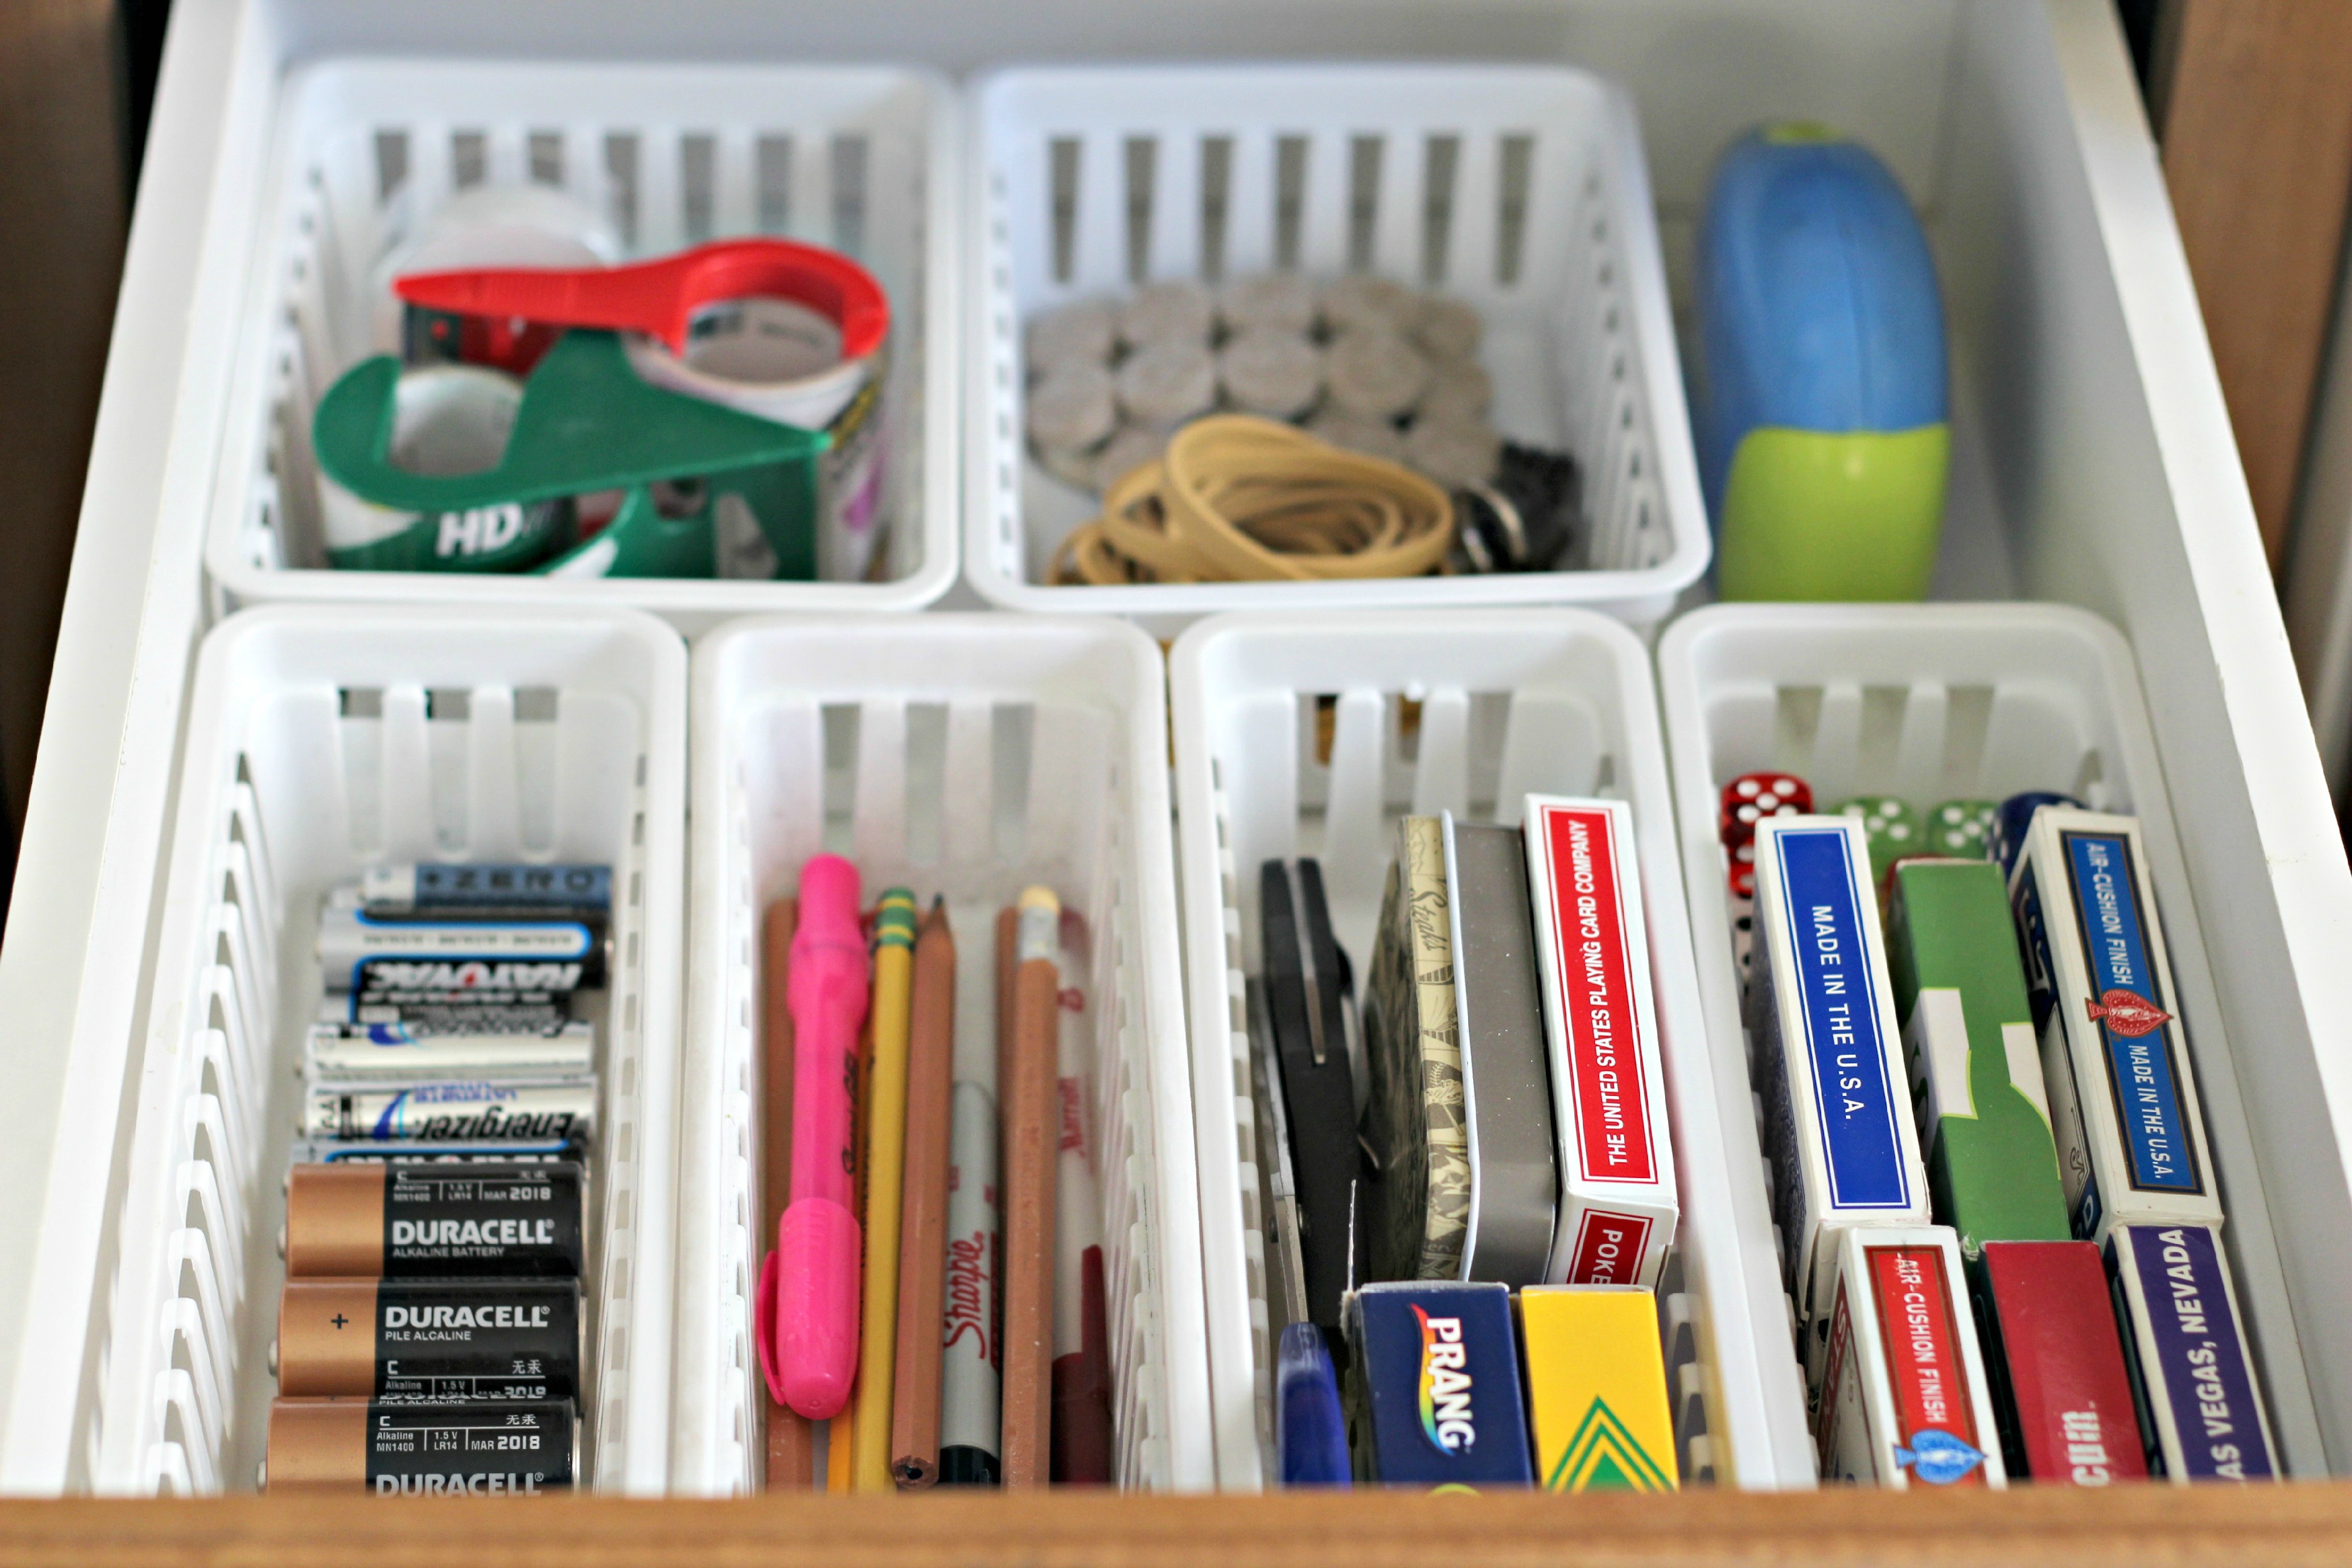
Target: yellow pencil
x,y
885,1161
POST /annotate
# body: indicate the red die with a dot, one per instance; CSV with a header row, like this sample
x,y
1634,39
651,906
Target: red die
x,y
1752,797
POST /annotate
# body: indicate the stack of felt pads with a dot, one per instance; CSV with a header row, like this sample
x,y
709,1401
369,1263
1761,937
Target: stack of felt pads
x,y
1469,1198
1998,1219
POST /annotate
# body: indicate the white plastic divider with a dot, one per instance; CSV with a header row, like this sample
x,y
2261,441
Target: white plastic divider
x,y
1935,702
965,756
368,149
1520,189
1504,703
325,740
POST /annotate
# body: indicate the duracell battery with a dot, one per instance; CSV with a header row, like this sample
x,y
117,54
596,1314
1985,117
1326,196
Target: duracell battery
x,y
407,1340
351,1445
437,1221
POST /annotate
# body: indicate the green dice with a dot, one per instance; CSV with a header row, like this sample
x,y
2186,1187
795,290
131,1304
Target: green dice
x,y
1893,828
1963,827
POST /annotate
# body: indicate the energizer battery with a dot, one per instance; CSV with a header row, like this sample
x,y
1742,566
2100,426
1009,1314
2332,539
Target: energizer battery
x,y
367,1446
434,1221
407,1340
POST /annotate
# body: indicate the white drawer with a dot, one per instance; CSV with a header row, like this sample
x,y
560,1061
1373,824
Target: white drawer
x,y
2094,459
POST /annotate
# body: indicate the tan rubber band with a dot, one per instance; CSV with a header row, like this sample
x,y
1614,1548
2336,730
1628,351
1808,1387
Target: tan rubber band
x,y
1238,499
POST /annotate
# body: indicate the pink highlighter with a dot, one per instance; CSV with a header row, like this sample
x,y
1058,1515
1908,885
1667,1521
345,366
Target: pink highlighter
x,y
809,1287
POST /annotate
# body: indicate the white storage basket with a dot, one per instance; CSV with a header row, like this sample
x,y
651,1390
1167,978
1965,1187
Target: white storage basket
x,y
1510,701
1520,189
1935,702
968,756
324,740
862,160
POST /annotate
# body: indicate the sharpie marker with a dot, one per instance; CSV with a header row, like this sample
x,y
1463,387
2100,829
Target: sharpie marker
x,y
819,1241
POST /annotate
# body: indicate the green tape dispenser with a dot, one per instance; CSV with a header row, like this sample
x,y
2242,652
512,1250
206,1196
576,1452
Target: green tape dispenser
x,y
458,468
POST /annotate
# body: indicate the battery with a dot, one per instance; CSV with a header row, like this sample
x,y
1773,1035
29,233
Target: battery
x,y
1839,1127
2060,1390
459,1111
1904,1398
2199,1409
475,1450
426,1151
434,1221
1617,1199
1976,1067
459,1012
352,940
433,886
1436,1370
2123,1097
1597,1389
397,1051
429,1339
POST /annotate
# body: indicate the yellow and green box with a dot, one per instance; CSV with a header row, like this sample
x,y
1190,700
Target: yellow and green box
x,y
1597,1389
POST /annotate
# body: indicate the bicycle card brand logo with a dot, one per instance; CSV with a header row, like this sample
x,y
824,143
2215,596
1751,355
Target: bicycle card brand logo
x,y
2127,1013
1445,1418
1938,1458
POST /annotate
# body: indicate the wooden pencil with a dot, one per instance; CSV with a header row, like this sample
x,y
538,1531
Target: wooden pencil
x,y
922,1235
1032,1146
790,1444
841,1432
886,1170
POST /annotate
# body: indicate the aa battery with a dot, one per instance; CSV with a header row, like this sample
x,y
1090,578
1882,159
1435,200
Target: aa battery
x,y
1904,1397
423,1151
2187,1344
353,942
473,1449
1844,1145
381,1052
463,1110
431,887
434,1221
1975,1067
2122,1099
429,1339
461,1010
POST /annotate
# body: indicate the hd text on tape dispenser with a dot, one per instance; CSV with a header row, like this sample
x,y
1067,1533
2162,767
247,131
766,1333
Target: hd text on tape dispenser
x,y
1825,435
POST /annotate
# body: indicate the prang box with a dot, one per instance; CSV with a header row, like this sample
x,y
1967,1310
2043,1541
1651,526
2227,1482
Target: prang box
x,y
1617,1202
1436,1375
2059,1383
2122,1099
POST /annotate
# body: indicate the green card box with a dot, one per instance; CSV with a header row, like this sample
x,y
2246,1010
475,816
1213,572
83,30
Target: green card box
x,y
1974,1060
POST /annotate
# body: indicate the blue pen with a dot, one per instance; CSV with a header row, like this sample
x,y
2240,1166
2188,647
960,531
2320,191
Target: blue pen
x,y
1311,1435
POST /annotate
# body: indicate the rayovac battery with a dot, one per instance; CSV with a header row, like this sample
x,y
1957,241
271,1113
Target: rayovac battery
x,y
432,886
478,1449
1976,1067
1838,1129
1617,1199
355,943
1904,1398
2059,1385
464,1110
434,1221
429,1339
361,1052
2123,1096
1437,1372
2200,1406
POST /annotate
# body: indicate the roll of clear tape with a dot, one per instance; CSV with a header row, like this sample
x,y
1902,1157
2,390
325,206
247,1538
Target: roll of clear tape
x,y
1267,302
1072,409
1169,309
1363,301
1275,373
1163,386
1083,332
1375,374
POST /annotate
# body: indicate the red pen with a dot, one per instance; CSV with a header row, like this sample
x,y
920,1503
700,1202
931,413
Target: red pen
x,y
818,1242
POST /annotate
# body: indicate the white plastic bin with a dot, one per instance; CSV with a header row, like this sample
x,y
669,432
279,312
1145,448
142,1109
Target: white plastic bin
x,y
1930,704
1510,701
968,756
367,149
1087,180
327,740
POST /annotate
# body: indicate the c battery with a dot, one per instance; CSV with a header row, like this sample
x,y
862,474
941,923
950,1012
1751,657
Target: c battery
x,y
429,1339
434,1221
350,1446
